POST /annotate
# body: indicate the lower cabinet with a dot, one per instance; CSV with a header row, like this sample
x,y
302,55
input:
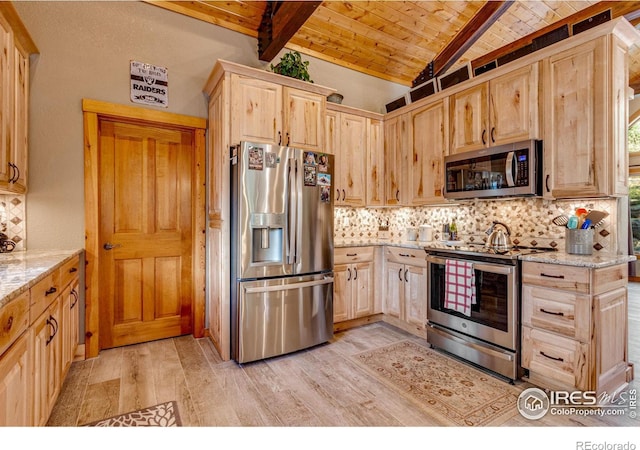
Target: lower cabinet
x,y
353,292
574,333
406,289
15,384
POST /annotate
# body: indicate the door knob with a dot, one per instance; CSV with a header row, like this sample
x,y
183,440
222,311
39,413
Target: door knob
x,y
109,246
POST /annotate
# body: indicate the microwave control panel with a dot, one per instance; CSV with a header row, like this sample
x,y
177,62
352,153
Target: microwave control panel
x,y
522,167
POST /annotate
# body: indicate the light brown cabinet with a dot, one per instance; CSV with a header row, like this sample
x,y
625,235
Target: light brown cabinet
x,y
16,45
16,384
353,293
394,154
586,105
500,111
574,333
268,112
406,289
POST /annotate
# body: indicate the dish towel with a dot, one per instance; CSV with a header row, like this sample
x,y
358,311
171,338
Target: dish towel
x,y
460,286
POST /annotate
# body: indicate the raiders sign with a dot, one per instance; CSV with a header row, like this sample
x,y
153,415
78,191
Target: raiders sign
x,y
149,84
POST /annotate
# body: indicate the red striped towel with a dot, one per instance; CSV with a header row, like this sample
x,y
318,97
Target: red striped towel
x,y
460,286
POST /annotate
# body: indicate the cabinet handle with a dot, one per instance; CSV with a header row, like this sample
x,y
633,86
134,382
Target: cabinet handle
x,y
51,321
406,279
50,338
343,195
484,134
15,180
7,327
400,274
551,312
338,195
279,138
546,183
12,168
355,269
559,277
288,138
75,298
51,290
493,134
352,254
73,270
349,276
551,357
406,255
398,195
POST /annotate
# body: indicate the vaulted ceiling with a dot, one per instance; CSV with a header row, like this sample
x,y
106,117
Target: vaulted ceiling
x,y
406,42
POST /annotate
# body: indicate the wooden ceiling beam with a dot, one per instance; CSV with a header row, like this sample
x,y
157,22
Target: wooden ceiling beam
x,y
281,20
464,39
618,8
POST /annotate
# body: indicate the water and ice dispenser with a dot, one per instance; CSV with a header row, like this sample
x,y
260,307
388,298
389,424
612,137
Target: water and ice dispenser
x,y
266,234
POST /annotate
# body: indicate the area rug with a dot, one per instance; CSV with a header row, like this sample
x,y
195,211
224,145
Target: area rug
x,y
161,415
454,392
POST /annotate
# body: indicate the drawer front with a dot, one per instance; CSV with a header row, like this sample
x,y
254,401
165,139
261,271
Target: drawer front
x,y
348,255
69,271
410,256
14,320
568,278
551,356
43,293
566,313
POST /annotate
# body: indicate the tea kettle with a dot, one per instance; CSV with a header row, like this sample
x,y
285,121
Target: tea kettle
x,y
6,244
498,239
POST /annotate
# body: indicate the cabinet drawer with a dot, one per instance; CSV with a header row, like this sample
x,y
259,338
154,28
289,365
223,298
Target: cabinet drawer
x,y
566,313
14,319
43,293
555,357
568,278
347,255
410,256
69,271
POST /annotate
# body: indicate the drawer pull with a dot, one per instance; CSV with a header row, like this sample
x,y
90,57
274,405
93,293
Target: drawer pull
x,y
352,254
9,323
561,277
551,357
405,255
51,290
73,270
551,312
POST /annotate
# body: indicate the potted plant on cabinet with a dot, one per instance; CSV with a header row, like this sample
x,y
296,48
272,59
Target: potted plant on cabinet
x,y
292,65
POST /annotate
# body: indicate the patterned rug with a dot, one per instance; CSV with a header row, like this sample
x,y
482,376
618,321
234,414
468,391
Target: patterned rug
x,y
161,415
456,393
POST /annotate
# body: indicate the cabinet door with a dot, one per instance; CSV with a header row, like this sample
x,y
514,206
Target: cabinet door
x,y
514,106
362,281
394,295
469,119
20,121
74,324
416,296
353,151
575,115
303,118
375,165
610,311
6,130
15,384
256,110
66,356
341,292
428,144
393,160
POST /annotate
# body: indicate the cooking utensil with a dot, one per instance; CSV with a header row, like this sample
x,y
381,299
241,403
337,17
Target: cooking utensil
x,y
596,217
561,220
499,240
573,223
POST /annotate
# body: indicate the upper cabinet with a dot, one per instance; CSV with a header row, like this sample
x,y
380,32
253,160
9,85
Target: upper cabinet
x,y
586,114
268,112
499,111
394,138
14,100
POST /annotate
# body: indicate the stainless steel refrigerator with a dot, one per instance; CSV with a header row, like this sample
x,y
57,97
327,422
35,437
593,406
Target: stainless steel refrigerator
x,y
282,250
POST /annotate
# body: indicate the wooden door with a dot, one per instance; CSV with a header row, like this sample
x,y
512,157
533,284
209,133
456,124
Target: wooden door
x,y
514,106
16,388
394,289
21,120
341,292
393,164
352,148
375,164
362,301
6,121
416,297
146,231
303,118
469,119
256,111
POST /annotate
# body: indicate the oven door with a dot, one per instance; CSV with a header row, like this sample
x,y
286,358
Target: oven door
x,y
493,318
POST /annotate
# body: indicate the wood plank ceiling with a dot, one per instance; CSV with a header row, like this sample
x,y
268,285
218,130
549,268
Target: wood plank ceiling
x,y
405,42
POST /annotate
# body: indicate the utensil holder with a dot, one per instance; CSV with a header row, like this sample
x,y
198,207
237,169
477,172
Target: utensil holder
x,y
579,242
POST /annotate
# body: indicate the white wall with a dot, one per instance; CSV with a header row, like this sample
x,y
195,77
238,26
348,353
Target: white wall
x,y
85,50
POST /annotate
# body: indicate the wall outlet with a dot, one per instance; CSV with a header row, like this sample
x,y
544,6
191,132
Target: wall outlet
x,y
346,222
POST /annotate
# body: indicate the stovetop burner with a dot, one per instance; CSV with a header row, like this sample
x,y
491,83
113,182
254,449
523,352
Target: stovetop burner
x,y
471,248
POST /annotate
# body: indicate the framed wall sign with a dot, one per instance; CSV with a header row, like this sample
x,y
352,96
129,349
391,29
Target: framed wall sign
x,y
149,84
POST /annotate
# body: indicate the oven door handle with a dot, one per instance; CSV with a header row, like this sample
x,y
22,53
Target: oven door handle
x,y
484,267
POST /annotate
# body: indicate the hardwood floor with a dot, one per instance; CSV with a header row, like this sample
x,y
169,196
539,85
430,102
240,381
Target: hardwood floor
x,y
317,387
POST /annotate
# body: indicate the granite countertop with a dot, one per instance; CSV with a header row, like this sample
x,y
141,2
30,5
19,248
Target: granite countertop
x,y
594,261
21,270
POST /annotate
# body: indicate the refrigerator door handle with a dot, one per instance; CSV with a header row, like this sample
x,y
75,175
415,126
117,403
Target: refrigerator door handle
x,y
299,197
286,287
291,211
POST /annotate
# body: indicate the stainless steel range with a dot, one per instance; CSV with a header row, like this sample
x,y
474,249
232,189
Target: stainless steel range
x,y
487,332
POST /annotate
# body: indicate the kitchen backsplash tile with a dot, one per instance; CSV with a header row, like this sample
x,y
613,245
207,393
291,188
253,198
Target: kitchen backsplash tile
x,y
12,218
530,221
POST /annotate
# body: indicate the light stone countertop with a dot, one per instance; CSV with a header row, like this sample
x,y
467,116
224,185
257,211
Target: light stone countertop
x,y
594,261
21,270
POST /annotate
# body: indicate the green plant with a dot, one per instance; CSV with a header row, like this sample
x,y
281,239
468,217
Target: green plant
x,y
292,65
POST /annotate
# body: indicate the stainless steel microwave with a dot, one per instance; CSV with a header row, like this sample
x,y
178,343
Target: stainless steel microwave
x,y
511,170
